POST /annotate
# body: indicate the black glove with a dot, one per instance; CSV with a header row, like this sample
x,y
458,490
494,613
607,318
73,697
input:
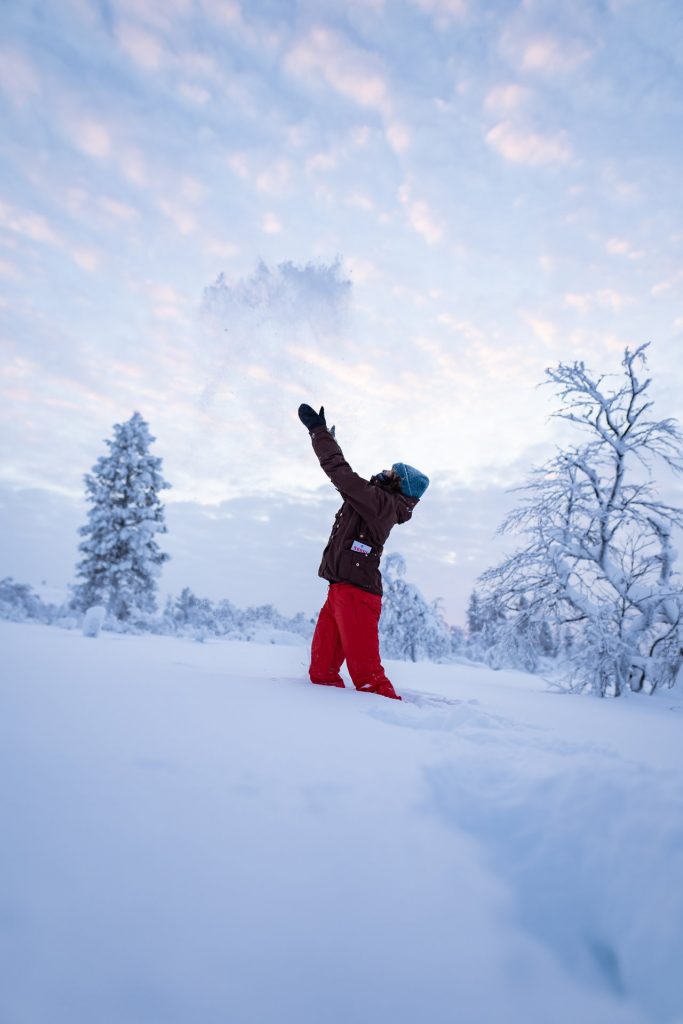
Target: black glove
x,y
310,418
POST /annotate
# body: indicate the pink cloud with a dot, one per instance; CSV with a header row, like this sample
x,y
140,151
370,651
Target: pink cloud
x,y
420,216
90,135
347,69
29,225
144,48
522,146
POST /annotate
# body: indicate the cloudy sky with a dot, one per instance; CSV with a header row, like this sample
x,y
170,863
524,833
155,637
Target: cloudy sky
x,y
404,210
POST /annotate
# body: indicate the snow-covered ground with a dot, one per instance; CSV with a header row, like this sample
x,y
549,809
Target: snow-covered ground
x,y
193,834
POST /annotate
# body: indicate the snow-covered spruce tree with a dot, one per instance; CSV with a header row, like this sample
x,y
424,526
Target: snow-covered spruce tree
x,y
493,619
410,628
485,618
121,559
475,621
598,560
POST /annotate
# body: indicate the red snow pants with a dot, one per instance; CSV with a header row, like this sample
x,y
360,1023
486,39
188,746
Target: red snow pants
x,y
347,628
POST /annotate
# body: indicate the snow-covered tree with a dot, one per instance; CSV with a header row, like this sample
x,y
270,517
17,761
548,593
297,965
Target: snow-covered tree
x,y
457,634
121,559
513,640
547,643
518,639
493,618
475,619
225,614
410,627
567,645
190,614
485,617
599,557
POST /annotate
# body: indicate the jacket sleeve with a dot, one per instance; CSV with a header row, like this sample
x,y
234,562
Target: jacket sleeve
x,y
369,501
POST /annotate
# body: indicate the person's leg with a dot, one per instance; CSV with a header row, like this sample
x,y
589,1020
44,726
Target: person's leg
x,y
357,615
327,653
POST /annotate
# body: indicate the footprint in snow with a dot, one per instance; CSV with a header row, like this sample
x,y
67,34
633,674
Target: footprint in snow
x,y
433,711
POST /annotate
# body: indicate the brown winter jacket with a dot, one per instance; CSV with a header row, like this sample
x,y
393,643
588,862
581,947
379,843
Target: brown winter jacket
x,y
367,515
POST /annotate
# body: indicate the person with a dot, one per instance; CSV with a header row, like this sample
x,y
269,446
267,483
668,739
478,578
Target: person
x,y
348,623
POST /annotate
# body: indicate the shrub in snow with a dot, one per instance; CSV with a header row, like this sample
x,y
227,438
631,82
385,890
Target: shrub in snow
x,y
138,623
67,621
266,617
20,603
276,636
121,560
200,618
93,619
598,561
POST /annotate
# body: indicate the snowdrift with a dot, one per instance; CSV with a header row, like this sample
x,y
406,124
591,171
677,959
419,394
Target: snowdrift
x,y
192,832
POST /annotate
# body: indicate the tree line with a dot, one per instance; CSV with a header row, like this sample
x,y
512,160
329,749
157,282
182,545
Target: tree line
x,y
591,597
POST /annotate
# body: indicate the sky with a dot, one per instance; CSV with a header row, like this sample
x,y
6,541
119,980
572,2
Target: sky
x,y
404,210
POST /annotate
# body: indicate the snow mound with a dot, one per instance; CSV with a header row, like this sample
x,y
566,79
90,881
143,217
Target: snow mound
x,y
195,832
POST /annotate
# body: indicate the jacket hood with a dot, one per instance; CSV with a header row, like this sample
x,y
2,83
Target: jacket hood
x,y
404,507
404,503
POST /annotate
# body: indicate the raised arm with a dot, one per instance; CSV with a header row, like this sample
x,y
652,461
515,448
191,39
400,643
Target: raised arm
x,y
368,500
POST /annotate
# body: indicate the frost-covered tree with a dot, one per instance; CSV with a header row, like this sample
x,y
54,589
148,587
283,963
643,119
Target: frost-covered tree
x,y
225,613
598,559
121,560
547,643
485,617
519,640
475,619
493,619
457,634
514,640
410,627
190,614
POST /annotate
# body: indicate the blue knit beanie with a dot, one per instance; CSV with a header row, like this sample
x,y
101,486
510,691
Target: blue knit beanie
x,y
413,482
